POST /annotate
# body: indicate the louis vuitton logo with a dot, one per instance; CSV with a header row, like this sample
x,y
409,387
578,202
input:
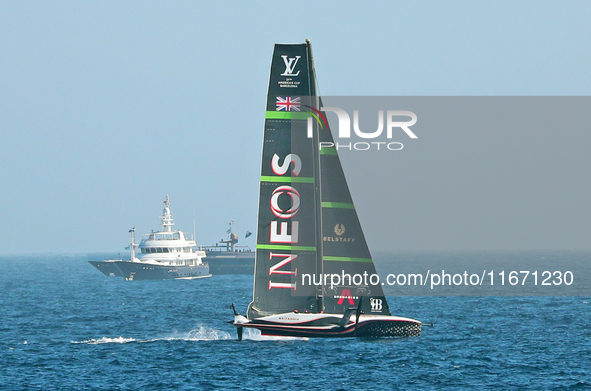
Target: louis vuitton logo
x,y
290,64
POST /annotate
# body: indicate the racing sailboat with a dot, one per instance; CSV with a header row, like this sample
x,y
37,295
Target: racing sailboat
x,y
308,228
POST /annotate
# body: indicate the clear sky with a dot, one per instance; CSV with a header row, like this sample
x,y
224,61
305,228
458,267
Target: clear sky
x,y
107,106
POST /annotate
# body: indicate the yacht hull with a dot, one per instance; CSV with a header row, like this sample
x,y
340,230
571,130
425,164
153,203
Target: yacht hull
x,y
230,262
330,326
108,268
143,271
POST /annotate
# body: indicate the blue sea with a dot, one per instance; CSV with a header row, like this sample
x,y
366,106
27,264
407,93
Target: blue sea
x,y
66,326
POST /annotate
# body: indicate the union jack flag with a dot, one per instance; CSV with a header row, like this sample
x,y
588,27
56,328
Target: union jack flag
x,y
288,103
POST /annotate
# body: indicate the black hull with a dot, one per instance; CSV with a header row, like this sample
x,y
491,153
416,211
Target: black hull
x,y
367,329
228,262
109,269
140,271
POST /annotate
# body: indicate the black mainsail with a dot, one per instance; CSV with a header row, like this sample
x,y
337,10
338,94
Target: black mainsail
x,y
307,223
286,242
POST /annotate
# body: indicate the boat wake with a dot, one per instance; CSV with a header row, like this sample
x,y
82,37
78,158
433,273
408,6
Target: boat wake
x,y
202,333
255,335
106,340
193,278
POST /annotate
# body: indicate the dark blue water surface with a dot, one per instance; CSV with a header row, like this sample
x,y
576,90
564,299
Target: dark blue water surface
x,y
64,325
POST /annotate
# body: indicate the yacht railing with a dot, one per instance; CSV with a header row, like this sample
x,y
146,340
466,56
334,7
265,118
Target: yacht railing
x,y
167,236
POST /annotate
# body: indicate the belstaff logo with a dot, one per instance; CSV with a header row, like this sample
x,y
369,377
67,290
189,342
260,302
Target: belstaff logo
x,y
339,230
290,64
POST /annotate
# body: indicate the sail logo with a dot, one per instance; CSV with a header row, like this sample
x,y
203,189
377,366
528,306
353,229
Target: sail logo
x,y
376,305
338,239
282,235
295,202
346,295
281,169
279,229
287,258
290,64
339,230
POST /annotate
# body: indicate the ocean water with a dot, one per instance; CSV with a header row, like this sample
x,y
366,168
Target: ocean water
x,y
64,325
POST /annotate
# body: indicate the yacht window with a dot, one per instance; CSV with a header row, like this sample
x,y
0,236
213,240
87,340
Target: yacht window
x,y
159,249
